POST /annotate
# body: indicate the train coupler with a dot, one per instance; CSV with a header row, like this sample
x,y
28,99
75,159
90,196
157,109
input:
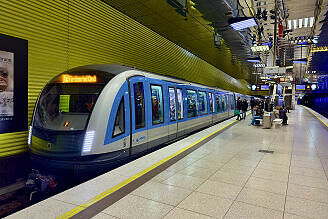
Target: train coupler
x,y
38,183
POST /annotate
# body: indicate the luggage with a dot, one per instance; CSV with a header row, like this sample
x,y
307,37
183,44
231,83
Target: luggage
x,y
237,112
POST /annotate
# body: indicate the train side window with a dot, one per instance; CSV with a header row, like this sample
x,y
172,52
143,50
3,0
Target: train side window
x,y
157,104
211,97
173,116
192,103
119,125
222,103
226,102
218,103
180,103
139,102
202,103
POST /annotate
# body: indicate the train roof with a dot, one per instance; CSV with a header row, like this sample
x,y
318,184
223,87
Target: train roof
x,y
119,68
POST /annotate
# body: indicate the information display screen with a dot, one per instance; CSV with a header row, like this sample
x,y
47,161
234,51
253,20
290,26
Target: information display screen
x,y
300,87
265,87
259,87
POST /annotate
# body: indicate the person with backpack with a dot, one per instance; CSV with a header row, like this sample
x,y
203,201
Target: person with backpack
x,y
239,108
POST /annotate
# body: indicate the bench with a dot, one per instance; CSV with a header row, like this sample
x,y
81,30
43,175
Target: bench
x,y
277,121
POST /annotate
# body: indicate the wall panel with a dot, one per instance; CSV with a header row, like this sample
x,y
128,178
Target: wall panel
x,y
67,33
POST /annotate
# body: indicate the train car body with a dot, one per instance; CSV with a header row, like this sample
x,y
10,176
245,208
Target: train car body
x,y
91,116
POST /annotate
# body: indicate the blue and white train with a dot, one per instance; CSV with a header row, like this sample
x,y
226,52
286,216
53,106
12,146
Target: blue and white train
x,y
91,116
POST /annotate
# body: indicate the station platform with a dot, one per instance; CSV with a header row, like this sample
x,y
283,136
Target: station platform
x,y
215,173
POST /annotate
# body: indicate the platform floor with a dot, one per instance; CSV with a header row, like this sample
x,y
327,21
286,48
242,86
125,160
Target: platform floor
x,y
228,178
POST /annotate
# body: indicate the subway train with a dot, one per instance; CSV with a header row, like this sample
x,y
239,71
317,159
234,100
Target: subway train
x,y
89,117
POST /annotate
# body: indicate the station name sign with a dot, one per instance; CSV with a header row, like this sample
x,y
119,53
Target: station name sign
x,y
79,78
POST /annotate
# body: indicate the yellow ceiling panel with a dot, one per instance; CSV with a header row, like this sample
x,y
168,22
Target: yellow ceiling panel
x,y
137,10
151,19
119,4
192,32
157,5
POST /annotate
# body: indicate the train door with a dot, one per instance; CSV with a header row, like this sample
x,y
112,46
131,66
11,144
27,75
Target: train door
x,y
139,114
211,105
173,121
158,106
180,110
118,127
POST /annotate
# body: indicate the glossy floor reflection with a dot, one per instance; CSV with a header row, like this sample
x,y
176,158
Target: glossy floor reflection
x,y
229,178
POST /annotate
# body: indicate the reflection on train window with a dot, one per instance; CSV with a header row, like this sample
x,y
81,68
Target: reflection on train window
x,y
119,120
218,102
139,102
202,102
211,102
192,103
157,104
59,103
228,102
173,116
223,103
232,102
180,103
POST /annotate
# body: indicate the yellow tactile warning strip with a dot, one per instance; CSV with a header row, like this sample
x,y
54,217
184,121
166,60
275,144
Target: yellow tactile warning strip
x,y
323,122
110,191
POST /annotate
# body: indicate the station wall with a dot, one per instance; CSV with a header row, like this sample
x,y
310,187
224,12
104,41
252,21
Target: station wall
x,y
63,34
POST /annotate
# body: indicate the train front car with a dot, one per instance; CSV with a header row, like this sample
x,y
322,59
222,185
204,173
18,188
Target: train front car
x,y
68,112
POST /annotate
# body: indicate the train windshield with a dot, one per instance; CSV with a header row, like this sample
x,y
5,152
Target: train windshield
x,y
66,107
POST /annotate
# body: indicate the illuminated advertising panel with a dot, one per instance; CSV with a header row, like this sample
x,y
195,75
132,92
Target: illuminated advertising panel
x,y
13,84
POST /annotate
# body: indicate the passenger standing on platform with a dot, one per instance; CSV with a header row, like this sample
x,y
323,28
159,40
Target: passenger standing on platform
x,y
261,105
253,104
283,116
244,108
239,107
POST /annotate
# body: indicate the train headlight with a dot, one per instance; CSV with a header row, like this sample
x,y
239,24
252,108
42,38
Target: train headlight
x,y
88,140
29,138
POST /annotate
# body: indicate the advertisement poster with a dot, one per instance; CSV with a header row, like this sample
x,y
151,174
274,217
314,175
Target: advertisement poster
x,y
6,83
13,84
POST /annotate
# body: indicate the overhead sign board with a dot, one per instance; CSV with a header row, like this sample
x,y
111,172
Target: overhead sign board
x,y
306,87
274,70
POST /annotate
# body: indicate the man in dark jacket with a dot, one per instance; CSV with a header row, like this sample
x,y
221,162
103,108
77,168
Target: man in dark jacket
x,y
244,107
252,103
239,107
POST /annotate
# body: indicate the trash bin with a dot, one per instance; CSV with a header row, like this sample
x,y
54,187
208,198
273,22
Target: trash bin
x,y
267,123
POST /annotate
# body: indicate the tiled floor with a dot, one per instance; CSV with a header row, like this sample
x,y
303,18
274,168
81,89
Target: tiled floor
x,y
229,178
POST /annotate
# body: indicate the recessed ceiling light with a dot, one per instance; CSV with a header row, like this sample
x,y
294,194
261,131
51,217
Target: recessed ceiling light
x,y
311,21
306,22
289,24
295,24
300,23
242,23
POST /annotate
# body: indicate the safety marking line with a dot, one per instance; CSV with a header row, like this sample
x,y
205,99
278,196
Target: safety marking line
x,y
317,117
101,196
